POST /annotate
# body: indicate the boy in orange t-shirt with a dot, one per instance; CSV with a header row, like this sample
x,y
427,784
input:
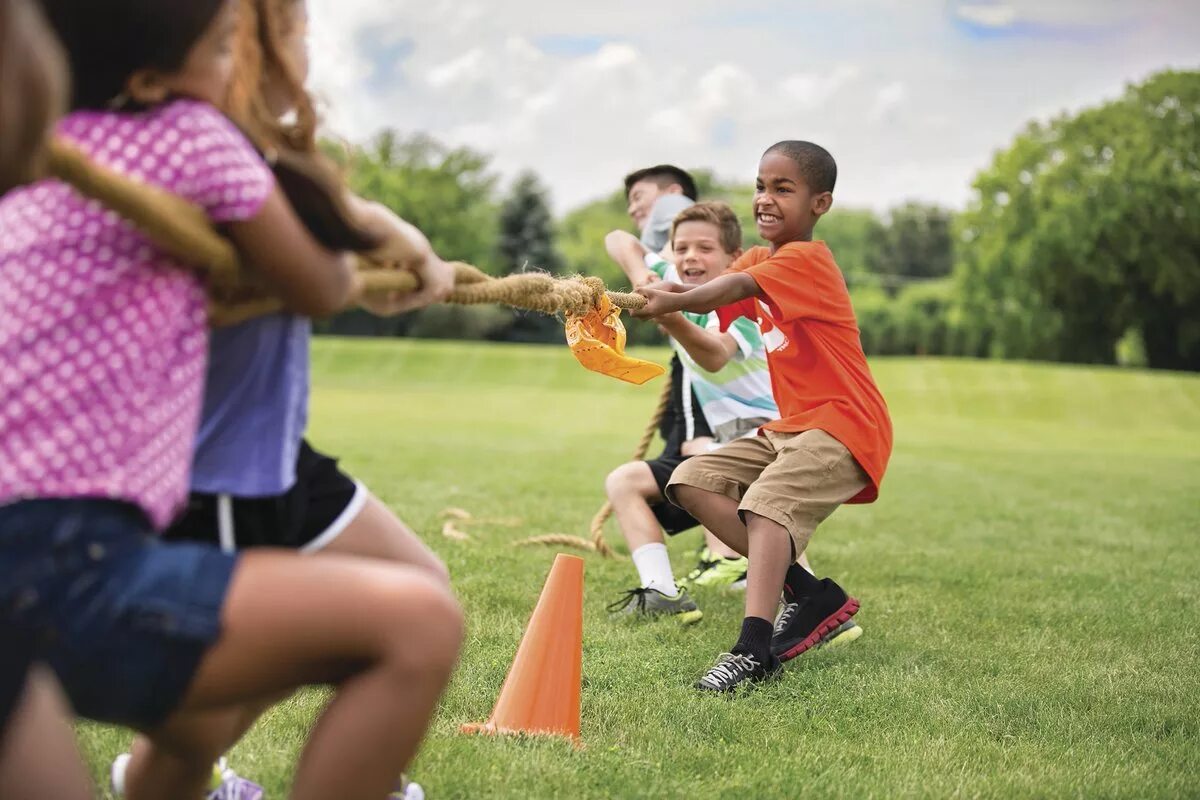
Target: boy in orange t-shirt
x,y
764,496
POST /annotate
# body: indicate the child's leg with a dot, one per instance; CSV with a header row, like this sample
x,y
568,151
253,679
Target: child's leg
x,y
375,532
630,488
717,512
718,547
38,758
812,475
698,447
388,636
770,557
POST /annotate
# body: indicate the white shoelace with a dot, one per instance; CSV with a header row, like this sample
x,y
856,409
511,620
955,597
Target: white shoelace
x,y
785,616
724,670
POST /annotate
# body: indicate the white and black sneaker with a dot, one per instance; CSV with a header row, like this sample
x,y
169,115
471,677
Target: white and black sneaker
x,y
734,669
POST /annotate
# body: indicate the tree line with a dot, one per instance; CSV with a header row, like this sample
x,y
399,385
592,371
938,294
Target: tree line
x,y
1081,241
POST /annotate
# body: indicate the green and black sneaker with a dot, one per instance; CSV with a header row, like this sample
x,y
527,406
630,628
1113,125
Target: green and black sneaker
x,y
644,602
713,571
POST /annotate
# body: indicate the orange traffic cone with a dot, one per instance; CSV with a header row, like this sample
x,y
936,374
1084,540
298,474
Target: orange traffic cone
x,y
541,693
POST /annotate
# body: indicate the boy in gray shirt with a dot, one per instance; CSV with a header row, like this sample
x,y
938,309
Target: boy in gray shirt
x,y
655,195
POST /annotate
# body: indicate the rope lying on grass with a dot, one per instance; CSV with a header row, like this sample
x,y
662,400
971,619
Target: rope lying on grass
x,y
183,231
597,543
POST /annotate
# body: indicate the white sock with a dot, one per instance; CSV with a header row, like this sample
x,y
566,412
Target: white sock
x,y
654,568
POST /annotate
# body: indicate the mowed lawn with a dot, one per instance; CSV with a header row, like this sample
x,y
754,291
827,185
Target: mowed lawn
x,y
1029,587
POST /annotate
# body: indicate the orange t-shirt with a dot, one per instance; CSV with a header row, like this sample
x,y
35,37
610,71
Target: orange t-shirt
x,y
818,370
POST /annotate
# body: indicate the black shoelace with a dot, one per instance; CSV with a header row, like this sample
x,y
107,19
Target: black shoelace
x,y
704,566
639,593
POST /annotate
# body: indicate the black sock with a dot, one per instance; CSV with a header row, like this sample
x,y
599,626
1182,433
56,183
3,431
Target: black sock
x,y
799,582
755,639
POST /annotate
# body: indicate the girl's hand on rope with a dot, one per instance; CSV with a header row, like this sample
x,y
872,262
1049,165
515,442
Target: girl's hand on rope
x,y
404,247
663,299
437,282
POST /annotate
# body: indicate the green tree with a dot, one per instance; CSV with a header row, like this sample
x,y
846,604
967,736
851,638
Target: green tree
x,y
526,229
526,241
918,242
581,238
855,236
449,193
1088,228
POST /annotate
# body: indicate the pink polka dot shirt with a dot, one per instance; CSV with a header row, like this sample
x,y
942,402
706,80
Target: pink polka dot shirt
x,y
103,338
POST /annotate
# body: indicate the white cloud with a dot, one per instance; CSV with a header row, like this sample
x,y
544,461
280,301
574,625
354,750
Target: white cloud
x,y
466,69
813,89
988,15
909,105
887,100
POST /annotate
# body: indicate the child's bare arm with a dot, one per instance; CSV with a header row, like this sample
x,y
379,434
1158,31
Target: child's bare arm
x,y
405,246
666,298
625,249
712,351
310,279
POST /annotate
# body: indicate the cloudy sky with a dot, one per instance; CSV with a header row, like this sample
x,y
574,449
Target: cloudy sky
x,y
912,98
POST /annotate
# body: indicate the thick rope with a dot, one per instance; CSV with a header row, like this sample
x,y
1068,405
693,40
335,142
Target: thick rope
x,y
597,542
175,225
183,230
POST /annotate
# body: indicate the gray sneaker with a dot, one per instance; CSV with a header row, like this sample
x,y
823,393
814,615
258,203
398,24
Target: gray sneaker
x,y
644,602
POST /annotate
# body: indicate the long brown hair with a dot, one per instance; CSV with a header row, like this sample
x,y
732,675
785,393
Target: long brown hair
x,y
310,180
32,89
262,58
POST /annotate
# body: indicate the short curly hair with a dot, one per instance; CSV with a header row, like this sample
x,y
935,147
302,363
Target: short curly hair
x,y
816,164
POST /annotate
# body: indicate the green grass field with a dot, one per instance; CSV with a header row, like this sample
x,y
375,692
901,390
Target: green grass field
x,y
1028,581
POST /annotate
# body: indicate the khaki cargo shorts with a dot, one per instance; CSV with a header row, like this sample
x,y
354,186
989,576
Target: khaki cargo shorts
x,y
795,479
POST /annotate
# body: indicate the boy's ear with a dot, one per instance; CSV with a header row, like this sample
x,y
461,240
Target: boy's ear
x,y
822,203
146,87
736,254
674,188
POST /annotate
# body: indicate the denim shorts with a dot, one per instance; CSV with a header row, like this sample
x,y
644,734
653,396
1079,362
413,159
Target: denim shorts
x,y
122,617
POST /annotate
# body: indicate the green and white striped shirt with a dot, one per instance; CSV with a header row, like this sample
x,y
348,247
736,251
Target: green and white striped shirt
x,y
737,399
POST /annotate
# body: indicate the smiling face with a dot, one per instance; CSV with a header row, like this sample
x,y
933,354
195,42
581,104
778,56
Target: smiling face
x,y
699,256
785,208
641,201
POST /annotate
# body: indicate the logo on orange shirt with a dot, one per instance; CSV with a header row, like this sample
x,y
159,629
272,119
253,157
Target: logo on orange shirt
x,y
773,338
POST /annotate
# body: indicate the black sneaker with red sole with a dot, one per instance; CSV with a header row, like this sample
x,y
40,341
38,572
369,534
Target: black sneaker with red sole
x,y
803,624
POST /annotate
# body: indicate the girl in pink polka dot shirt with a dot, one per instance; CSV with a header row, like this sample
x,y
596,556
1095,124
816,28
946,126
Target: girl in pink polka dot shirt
x,y
102,355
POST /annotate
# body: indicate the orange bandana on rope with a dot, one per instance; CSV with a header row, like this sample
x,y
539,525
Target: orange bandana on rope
x,y
597,339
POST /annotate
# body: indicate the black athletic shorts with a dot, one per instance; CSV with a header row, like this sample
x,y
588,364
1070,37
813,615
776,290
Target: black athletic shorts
x,y
307,517
673,428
